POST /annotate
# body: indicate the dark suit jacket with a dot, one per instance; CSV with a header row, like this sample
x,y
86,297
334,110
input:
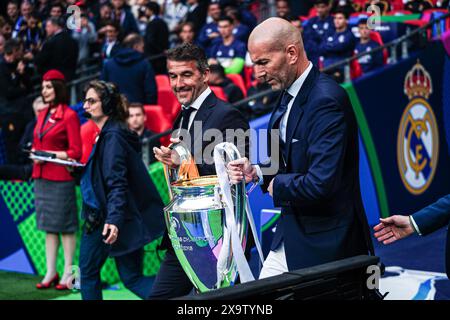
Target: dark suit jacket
x,y
58,52
125,190
156,42
322,216
198,16
213,114
433,217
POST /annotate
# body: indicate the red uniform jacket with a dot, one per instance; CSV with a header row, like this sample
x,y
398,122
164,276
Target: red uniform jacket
x,y
60,133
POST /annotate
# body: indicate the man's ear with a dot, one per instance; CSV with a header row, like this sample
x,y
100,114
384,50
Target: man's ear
x,y
206,75
292,53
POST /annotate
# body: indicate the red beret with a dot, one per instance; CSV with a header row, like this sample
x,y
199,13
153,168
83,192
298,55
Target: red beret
x,y
53,75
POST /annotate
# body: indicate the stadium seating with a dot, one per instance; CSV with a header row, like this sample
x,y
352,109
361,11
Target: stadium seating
x,y
158,121
237,80
218,91
376,36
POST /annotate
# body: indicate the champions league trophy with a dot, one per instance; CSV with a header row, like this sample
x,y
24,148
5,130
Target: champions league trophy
x,y
207,220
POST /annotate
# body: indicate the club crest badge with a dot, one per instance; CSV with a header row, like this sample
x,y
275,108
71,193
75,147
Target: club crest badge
x,y
418,137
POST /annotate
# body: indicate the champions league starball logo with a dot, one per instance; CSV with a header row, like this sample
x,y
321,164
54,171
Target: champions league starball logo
x,y
418,138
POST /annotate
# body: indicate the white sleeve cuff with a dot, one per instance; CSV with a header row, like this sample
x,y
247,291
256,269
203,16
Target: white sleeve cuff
x,y
416,228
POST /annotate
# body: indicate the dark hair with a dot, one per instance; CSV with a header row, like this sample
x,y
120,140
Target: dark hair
x,y
15,2
112,23
119,104
217,69
190,24
154,7
132,39
225,18
362,21
59,5
56,21
325,2
137,105
12,45
233,11
189,52
343,12
61,93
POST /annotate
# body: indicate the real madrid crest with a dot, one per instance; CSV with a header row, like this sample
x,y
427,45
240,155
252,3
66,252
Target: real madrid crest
x,y
418,137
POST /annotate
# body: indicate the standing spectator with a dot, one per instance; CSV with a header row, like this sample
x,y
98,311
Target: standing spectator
x,y
368,62
12,10
131,71
217,78
156,38
105,15
57,131
56,10
197,14
339,46
59,50
22,169
345,6
122,14
187,34
2,46
111,43
418,6
43,9
32,35
175,13
228,52
6,28
136,122
283,9
25,11
14,86
322,24
240,30
210,31
85,36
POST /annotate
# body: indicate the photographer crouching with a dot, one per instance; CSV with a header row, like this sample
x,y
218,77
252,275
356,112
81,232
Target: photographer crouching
x,y
121,206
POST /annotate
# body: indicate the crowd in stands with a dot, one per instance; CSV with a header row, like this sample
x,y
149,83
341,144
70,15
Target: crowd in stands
x,y
127,40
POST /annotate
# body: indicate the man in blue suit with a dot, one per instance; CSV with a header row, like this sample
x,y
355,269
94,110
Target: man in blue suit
x,y
423,222
317,184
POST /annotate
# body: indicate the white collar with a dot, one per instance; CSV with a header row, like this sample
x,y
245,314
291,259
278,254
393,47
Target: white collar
x,y
294,89
200,99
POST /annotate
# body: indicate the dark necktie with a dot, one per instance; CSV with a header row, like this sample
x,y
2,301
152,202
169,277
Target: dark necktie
x,y
185,115
282,107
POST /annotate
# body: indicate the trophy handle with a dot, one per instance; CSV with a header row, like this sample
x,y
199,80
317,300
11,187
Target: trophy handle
x,y
186,170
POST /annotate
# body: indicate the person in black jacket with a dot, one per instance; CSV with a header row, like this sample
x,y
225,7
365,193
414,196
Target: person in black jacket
x,y
156,38
59,51
198,11
131,72
121,206
15,109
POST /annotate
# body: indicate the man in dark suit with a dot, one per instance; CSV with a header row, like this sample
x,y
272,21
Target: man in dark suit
x,y
317,183
189,75
59,51
198,11
423,222
156,38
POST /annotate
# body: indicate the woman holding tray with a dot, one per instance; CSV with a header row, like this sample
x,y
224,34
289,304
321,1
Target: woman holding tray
x,y
57,131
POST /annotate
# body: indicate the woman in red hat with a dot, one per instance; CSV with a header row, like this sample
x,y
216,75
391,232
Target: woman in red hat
x,y
57,131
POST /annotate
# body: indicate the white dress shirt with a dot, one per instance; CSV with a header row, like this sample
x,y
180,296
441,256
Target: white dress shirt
x,y
196,105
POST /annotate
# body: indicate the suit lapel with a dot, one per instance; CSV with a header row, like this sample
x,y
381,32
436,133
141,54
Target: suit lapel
x,y
297,108
204,111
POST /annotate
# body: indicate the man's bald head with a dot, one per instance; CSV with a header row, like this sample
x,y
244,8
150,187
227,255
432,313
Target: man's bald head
x,y
276,34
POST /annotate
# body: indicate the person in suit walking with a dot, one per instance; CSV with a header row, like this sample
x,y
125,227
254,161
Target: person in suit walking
x,y
423,222
189,74
121,206
317,183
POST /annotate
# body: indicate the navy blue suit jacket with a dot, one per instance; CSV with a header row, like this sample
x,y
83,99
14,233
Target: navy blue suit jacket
x,y
322,216
124,189
433,217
